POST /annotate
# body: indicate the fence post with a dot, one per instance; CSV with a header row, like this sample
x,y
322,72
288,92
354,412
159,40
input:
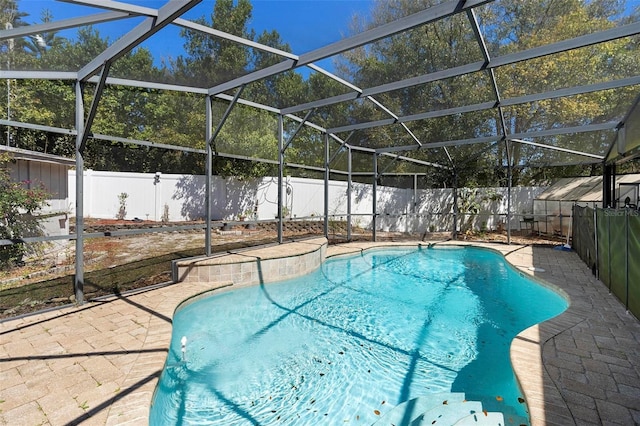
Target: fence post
x,y
608,230
546,218
157,194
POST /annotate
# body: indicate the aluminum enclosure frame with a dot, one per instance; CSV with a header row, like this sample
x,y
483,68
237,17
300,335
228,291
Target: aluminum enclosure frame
x,y
97,72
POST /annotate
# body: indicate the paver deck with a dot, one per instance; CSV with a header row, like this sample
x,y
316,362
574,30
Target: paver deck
x,y
98,364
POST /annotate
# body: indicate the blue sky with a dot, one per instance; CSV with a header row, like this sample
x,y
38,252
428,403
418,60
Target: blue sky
x,y
304,24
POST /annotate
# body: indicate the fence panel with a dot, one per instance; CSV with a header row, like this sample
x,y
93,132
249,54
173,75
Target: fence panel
x,y
634,263
584,235
618,255
171,197
604,247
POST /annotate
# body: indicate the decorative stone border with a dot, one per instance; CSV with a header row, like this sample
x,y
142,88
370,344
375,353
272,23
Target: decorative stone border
x,y
256,266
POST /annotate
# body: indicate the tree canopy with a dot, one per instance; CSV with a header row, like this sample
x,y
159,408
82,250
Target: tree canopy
x,y
178,118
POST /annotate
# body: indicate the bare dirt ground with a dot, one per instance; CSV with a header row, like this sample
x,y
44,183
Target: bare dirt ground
x,y
111,251
108,252
115,264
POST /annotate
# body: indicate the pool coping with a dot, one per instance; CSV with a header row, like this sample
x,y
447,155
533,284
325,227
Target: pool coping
x,y
256,266
100,362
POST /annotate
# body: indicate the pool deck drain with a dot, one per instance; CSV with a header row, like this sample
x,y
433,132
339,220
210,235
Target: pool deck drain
x,y
98,364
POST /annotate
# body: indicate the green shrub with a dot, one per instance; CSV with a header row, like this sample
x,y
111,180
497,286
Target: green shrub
x,y
17,203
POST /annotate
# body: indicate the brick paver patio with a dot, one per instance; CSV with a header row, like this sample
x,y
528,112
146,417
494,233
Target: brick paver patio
x,y
99,363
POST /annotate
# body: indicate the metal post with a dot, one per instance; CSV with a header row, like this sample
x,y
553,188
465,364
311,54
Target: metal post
x,y
561,216
415,193
613,186
9,26
509,208
8,108
78,280
349,183
608,233
546,218
326,185
375,194
606,186
454,233
210,139
510,174
415,204
280,174
208,173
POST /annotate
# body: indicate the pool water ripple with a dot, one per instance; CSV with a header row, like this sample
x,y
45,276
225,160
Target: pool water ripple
x,y
351,340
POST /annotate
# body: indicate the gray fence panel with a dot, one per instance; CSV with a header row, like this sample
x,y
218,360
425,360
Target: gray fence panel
x,y
617,259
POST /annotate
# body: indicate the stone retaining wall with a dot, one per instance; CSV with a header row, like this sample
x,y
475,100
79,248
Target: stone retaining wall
x,y
255,267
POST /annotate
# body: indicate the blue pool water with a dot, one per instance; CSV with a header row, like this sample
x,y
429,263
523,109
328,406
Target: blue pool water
x,y
345,344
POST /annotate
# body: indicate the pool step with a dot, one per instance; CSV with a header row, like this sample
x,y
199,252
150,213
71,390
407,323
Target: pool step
x,y
448,414
475,419
511,417
407,411
449,408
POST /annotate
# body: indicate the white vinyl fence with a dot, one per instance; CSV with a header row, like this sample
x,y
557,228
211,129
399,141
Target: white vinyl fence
x,y
169,197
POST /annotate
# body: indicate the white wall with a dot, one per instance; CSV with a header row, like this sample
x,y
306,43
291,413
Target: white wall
x,y
184,197
53,177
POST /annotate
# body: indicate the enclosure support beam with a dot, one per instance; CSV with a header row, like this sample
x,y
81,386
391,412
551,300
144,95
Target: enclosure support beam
x,y
374,221
614,202
210,142
78,279
226,114
280,174
300,125
326,185
423,17
454,233
496,62
93,110
62,24
208,173
510,178
388,166
349,183
557,148
607,197
133,38
415,193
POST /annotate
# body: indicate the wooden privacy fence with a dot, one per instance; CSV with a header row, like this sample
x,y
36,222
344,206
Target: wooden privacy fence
x,y
608,240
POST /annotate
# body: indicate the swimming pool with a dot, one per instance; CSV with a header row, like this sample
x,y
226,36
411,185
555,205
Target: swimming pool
x,y
350,341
